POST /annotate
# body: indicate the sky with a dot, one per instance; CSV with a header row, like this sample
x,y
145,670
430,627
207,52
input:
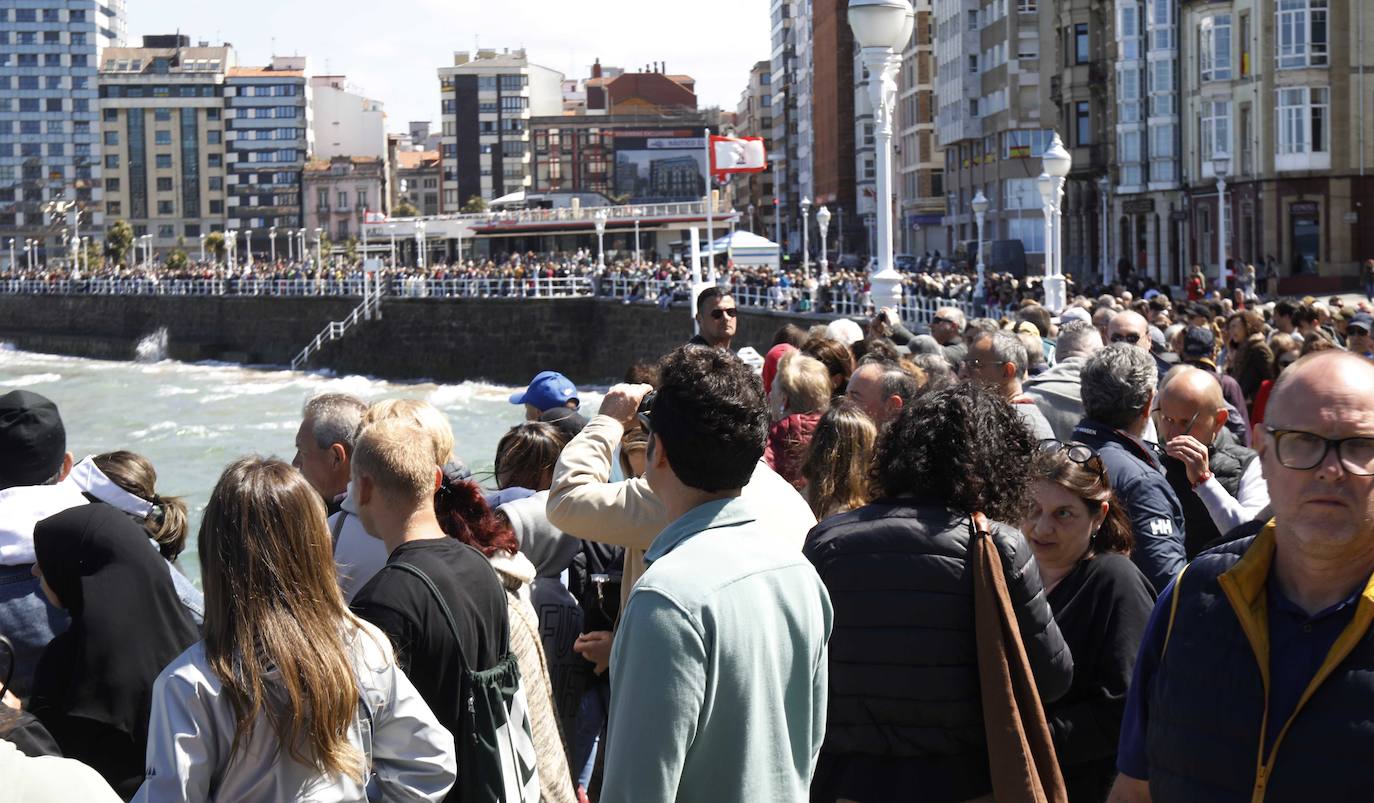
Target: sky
x,y
390,51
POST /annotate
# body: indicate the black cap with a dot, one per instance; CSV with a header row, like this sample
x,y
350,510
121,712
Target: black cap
x,y
1198,343
568,420
32,439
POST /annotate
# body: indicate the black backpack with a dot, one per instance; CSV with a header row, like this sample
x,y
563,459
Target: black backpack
x,y
496,756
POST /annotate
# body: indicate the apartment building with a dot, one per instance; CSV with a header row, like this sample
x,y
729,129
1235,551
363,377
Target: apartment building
x,y
49,121
919,161
269,138
833,79
419,175
753,192
792,95
486,101
988,121
343,121
1282,91
162,134
341,191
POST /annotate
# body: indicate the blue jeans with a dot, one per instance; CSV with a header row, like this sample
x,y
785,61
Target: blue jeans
x,y
28,621
591,718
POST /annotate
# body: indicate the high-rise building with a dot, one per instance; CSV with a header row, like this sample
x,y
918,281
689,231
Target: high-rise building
x,y
988,122
344,122
833,138
487,99
753,192
919,162
1077,99
789,97
269,135
49,121
1279,88
1147,198
162,138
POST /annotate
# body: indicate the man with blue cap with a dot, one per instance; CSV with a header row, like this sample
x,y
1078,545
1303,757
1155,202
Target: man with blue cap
x,y
547,391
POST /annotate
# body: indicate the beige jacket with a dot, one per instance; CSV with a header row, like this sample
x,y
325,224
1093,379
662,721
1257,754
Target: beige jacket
x,y
583,502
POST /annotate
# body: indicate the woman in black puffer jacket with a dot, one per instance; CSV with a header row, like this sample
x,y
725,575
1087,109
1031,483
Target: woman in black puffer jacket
x,y
905,714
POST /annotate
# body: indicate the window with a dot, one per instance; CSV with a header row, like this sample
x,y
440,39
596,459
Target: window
x,y
1082,123
1214,48
166,232
1029,231
112,161
162,137
973,62
361,193
216,183
217,207
1020,193
1025,6
214,137
322,199
1244,42
112,208
214,160
343,199
1026,144
1301,34
1081,55
1302,120
111,185
164,184
1214,130
163,161
165,208
972,20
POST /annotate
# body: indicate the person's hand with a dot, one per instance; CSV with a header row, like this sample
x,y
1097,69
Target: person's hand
x,y
596,648
622,402
11,701
1189,451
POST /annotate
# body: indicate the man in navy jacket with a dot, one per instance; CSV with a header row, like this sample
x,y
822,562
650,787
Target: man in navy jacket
x,y
1118,394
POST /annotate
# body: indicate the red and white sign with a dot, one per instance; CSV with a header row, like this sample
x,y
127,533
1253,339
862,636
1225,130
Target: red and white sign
x,y
737,155
373,217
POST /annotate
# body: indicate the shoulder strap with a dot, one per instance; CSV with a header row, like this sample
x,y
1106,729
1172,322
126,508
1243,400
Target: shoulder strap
x,y
443,606
336,528
1173,608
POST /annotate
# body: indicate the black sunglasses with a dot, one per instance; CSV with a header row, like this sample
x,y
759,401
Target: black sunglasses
x,y
721,312
1080,453
1126,337
938,319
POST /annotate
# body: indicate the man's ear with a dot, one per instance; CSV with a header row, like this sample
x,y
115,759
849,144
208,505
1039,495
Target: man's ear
x,y
1223,415
67,461
339,454
658,455
438,479
364,486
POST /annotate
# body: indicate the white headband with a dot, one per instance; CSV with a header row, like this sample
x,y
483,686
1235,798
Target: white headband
x,y
89,478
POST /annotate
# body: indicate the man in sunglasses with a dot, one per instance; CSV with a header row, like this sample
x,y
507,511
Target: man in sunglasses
x,y
716,319
1217,480
1130,327
1269,639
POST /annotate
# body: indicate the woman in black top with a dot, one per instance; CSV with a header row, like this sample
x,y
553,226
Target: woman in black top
x,y
93,686
1082,541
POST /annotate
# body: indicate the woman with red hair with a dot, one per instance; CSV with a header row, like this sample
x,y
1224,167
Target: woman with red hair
x,y
464,514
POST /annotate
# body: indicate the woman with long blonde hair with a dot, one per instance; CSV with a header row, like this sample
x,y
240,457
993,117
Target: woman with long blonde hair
x,y
288,696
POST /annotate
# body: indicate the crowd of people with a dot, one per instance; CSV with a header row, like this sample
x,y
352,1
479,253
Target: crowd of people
x,y
1124,552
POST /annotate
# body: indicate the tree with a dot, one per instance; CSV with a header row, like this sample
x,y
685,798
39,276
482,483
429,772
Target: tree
x,y
325,247
405,209
119,238
176,260
214,245
351,250
474,205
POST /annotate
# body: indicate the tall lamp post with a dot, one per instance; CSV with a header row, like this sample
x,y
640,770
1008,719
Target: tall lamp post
x,y
751,218
420,254
272,237
823,226
1057,163
248,248
806,237
14,266
882,28
1104,187
980,211
600,219
202,249
1221,165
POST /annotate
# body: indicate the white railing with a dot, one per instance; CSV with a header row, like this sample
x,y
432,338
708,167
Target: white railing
x,y
370,309
915,308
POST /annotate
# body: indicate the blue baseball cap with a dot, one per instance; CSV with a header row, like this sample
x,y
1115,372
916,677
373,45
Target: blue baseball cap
x,y
548,389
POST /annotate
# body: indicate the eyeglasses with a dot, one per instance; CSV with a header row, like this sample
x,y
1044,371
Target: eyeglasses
x,y
1126,337
938,319
1304,451
1080,453
721,312
1185,428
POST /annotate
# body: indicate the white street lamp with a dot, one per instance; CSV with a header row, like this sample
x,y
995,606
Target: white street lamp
x,y
751,218
882,28
1057,163
637,212
202,248
823,226
980,211
302,252
600,219
14,266
806,237
231,242
420,244
248,248
1104,187
1221,165
319,256
272,236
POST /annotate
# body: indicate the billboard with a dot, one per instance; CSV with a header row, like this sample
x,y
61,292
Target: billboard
x,y
659,166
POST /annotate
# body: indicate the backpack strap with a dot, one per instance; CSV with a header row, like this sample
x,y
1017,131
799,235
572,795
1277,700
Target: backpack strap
x,y
443,606
1173,609
336,528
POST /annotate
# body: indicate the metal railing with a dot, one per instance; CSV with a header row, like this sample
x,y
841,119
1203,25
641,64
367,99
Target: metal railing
x,y
833,301
368,310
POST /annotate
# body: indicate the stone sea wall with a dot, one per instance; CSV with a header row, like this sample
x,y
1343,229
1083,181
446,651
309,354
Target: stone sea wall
x,y
449,340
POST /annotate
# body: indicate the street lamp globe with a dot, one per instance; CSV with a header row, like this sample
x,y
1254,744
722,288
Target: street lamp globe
x,y
823,218
1046,186
1221,164
980,204
881,23
1057,160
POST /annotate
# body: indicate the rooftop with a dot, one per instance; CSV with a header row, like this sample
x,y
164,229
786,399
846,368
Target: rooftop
x,y
413,160
264,72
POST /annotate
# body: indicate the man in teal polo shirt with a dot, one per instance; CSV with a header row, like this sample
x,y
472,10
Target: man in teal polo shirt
x,y
718,674
1255,679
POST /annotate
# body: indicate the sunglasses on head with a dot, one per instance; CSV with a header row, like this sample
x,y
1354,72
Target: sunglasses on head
x,y
721,312
1080,453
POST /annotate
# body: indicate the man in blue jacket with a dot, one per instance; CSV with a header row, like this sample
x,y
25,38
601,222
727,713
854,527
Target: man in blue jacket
x,y
1118,394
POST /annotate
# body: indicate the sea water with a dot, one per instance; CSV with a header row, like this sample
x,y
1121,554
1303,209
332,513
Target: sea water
x,y
191,420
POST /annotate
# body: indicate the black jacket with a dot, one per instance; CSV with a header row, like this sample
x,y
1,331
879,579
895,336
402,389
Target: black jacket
x,y
904,709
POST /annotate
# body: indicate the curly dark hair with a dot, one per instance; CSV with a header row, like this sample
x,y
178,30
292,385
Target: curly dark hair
x,y
961,445
711,417
464,514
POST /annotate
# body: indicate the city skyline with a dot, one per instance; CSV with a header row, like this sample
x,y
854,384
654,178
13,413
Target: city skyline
x,y
395,61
